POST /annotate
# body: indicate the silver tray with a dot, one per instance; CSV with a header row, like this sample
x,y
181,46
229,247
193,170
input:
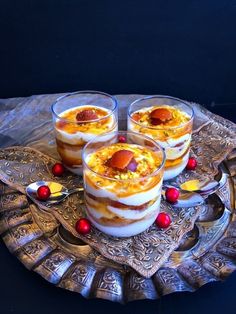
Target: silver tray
x,y
206,253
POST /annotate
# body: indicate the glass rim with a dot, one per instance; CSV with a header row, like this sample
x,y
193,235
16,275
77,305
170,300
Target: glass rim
x,y
156,127
84,92
160,167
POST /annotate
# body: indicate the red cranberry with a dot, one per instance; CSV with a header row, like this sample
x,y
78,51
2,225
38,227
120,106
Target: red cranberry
x,y
122,139
58,169
163,220
83,226
43,192
172,195
192,164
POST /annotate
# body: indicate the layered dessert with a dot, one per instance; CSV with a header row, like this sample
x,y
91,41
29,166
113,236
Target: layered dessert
x,y
123,185
76,126
171,128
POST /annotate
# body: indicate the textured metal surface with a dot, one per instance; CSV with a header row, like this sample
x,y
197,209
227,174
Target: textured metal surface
x,y
204,254
207,253
145,252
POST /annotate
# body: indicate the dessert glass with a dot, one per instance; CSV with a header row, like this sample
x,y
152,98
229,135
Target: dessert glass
x,y
122,202
78,117
173,132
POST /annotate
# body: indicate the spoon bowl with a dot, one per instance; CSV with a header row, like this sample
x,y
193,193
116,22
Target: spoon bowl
x,y
58,192
186,198
206,187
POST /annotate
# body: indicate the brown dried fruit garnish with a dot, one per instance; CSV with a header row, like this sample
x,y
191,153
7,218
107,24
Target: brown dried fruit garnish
x,y
86,115
160,115
121,159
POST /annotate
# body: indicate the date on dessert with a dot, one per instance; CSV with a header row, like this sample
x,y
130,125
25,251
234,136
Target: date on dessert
x,y
123,160
160,115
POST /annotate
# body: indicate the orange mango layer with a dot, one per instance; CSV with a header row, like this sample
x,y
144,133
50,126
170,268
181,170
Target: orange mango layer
x,y
148,161
73,126
123,183
169,129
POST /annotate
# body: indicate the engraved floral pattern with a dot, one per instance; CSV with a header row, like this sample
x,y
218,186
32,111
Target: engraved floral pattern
x,y
54,262
34,248
19,232
109,281
80,274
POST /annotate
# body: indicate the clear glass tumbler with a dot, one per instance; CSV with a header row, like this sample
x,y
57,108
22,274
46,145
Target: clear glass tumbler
x,y
123,182
78,117
168,121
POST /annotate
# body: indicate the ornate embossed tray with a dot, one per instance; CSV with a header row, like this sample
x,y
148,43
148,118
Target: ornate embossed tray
x,y
205,246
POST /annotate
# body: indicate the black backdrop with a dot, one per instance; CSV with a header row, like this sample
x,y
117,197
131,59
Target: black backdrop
x,y
182,48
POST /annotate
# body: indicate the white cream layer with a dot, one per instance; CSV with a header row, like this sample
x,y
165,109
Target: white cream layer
x,y
135,214
128,230
175,171
76,170
171,151
73,153
77,137
84,136
136,199
132,214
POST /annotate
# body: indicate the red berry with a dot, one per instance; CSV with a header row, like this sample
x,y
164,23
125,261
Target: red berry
x,y
163,220
58,169
192,164
172,195
122,139
83,226
43,192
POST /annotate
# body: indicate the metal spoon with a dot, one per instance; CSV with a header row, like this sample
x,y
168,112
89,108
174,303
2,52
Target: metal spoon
x,y
186,198
58,191
206,187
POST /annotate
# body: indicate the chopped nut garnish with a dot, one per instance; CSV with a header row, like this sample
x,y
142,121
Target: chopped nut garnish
x,y
163,116
77,120
146,161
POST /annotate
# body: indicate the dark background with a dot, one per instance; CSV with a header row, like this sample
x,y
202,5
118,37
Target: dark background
x,y
182,48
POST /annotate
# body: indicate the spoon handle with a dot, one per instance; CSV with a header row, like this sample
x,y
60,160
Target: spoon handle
x,y
75,190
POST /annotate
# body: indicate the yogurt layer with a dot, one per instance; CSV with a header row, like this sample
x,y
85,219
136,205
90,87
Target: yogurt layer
x,y
83,137
174,171
128,230
112,211
172,151
76,170
136,199
80,137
